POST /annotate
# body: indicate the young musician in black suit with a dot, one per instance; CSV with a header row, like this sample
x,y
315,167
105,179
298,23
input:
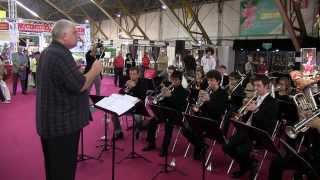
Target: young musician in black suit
x,y
136,87
176,98
224,77
261,113
215,101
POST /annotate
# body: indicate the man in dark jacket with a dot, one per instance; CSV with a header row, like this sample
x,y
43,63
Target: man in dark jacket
x,y
261,113
62,104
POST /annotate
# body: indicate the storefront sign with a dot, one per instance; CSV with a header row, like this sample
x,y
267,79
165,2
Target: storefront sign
x,y
4,26
259,17
43,27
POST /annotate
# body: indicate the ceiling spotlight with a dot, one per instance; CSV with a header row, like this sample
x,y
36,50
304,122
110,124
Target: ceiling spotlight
x,y
164,6
20,20
258,50
86,21
277,50
118,15
241,49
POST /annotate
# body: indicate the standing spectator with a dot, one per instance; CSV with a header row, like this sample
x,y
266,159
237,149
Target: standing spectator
x,y
146,61
62,103
262,66
5,96
118,64
208,62
162,62
130,62
249,66
20,62
26,54
190,64
91,56
33,66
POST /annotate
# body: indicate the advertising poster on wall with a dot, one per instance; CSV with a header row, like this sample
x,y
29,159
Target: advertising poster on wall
x,y
309,60
259,17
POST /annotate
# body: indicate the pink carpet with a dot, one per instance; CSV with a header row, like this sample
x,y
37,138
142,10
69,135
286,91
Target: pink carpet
x,y
21,155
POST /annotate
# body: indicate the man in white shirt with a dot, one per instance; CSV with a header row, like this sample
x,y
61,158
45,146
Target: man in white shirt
x,y
208,62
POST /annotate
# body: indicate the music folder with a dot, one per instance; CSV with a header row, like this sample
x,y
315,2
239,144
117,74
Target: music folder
x,y
117,103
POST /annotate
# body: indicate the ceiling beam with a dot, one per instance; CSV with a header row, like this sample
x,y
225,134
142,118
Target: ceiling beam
x,y
93,22
60,10
288,25
187,30
188,5
111,18
135,22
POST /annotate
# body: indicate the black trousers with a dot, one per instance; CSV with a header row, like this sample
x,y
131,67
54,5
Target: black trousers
x,y
34,78
15,83
118,76
60,155
280,164
152,128
239,148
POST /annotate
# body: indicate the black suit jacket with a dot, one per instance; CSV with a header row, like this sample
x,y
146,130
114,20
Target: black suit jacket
x,y
139,90
216,106
178,99
267,115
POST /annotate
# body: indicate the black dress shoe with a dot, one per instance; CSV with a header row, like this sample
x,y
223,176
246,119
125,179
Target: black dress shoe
x,y
149,147
118,136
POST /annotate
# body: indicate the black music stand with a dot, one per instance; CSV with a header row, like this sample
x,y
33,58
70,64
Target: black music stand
x,y
258,135
138,109
82,156
205,127
163,113
105,144
299,159
95,100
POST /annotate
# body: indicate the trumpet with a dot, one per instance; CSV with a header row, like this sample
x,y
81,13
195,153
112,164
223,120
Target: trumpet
x,y
242,110
200,101
159,97
127,89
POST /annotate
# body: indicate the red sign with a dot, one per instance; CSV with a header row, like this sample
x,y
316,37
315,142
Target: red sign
x,y
33,27
43,27
4,26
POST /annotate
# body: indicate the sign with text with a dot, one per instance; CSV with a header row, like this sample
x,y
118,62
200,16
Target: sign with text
x,y
43,27
4,26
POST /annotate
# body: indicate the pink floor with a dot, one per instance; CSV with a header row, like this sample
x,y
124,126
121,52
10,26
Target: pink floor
x,y
21,155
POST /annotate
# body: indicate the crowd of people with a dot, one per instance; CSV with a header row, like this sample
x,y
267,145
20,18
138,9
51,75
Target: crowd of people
x,y
24,67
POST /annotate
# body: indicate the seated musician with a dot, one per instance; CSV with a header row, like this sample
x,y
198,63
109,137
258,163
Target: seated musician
x,y
175,99
287,108
163,78
236,97
136,87
311,154
199,83
214,105
224,84
262,114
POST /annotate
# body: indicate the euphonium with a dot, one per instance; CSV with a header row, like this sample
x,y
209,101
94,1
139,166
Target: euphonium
x,y
159,97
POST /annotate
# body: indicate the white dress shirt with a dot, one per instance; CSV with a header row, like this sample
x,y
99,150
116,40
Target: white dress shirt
x,y
259,101
208,63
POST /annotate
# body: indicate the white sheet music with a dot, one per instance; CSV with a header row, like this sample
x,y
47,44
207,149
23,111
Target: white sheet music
x,y
117,103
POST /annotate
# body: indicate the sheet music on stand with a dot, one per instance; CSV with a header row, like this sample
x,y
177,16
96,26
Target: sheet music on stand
x,y
118,103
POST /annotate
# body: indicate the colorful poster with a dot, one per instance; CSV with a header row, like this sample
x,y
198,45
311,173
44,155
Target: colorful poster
x,y
259,17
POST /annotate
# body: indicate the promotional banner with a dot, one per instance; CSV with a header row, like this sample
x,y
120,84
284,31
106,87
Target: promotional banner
x,y
259,17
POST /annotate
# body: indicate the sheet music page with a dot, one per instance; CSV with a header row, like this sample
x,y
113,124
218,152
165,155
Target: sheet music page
x,y
117,103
